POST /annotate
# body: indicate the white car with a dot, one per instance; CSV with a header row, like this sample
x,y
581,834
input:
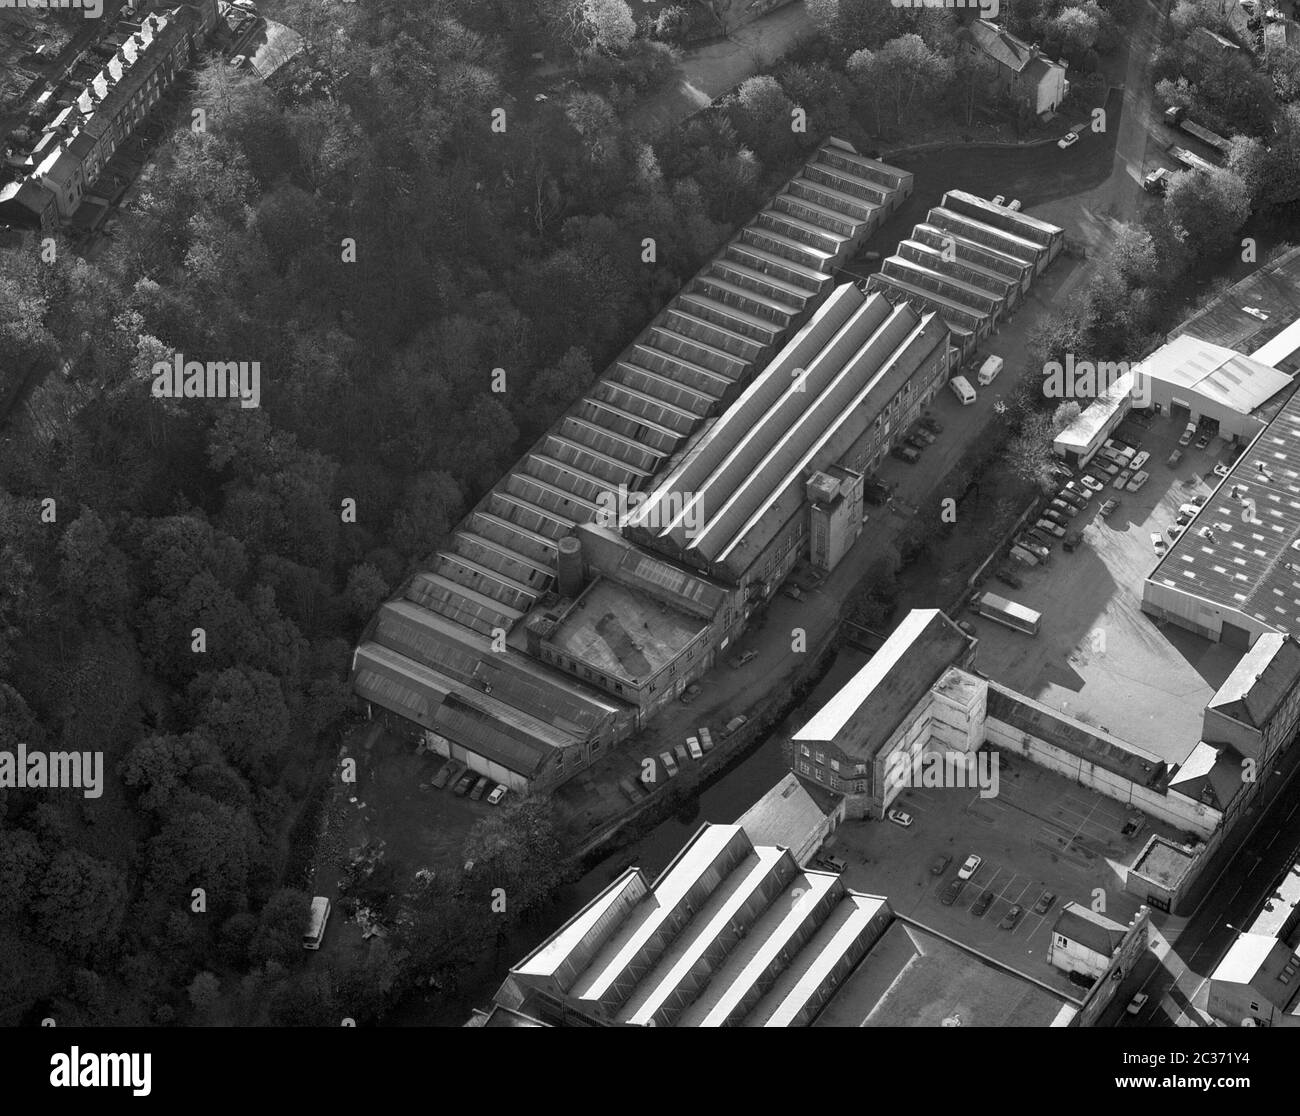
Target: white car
x,y
1158,543
1091,483
498,793
898,817
1068,140
693,746
1221,470
1137,1003
971,866
1141,459
1014,206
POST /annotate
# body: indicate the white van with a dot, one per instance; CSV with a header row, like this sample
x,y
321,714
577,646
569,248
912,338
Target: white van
x,y
962,390
989,369
320,915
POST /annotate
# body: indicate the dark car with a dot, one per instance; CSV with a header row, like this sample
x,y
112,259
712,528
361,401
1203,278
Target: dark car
x,y
690,694
1012,916
1109,508
480,788
445,772
982,904
931,425
949,895
1045,902
1009,577
905,453
919,431
1072,540
941,862
875,494
463,784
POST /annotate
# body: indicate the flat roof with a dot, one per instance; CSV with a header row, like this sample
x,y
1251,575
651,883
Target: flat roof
x,y
1280,907
1250,567
912,977
624,632
1163,862
1215,372
1082,431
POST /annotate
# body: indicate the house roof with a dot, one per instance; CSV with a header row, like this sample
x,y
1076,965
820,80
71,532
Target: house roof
x,y
1007,50
1258,960
1091,930
1210,774
1261,681
786,815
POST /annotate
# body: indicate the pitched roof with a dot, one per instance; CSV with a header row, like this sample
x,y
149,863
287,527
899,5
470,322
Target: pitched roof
x,y
1091,930
1261,681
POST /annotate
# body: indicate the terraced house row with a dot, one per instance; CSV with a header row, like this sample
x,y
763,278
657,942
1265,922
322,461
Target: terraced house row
x,y
540,635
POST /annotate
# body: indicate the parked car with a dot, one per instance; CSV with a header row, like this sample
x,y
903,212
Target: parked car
x,y
970,867
1072,540
1109,508
479,788
1174,458
1063,507
1122,478
1012,916
1014,206
940,864
443,777
1057,517
1001,199
916,442
1198,501
831,863
734,725
950,892
1078,498
1158,543
463,784
1104,466
982,904
1009,577
1139,479
1045,902
905,453
898,817
1188,432
690,693
1186,514
1173,531
1137,1003
693,747
1068,140
1019,554
1221,470
1140,460
498,793
793,592
1036,549
1050,527
743,659
679,750
932,425
1091,483
921,432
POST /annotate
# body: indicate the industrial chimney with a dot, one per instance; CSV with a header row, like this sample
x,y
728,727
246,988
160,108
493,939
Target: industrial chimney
x,y
569,573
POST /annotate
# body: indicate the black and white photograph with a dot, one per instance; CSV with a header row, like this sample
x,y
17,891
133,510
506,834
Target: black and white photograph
x,y
621,514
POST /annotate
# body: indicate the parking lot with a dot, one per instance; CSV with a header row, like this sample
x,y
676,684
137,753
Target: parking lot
x,y
1041,835
1097,656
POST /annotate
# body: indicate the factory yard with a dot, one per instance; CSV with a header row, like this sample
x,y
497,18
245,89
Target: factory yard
x,y
1098,657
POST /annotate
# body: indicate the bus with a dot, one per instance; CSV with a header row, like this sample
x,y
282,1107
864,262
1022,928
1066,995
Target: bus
x,y
320,914
1007,612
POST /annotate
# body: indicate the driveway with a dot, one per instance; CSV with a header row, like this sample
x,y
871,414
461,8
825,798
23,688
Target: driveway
x,y
707,72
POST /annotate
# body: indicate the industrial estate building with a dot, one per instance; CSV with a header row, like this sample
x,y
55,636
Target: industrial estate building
x,y
970,262
728,442
149,52
734,934
919,695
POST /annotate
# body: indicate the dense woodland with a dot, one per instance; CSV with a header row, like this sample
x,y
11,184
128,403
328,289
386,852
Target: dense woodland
x,y
360,230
